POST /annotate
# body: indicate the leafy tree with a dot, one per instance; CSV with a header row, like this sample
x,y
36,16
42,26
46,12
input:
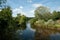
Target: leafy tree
x,y
55,15
40,23
6,24
42,13
22,19
6,15
17,18
32,21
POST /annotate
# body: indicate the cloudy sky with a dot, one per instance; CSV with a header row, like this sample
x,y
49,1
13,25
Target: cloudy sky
x,y
27,7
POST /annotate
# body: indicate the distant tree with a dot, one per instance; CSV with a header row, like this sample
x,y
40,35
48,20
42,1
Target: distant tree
x,y
22,19
32,21
42,13
18,18
56,15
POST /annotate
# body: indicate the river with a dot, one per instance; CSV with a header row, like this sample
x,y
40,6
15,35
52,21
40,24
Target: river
x,y
29,34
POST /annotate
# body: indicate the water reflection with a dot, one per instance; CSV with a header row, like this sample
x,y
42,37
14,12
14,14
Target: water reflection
x,y
37,34
47,34
41,35
27,34
23,27
55,36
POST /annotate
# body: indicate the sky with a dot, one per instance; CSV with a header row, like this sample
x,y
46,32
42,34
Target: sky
x,y
27,7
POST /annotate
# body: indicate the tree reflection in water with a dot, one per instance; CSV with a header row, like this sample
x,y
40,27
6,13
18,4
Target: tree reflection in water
x,y
26,33
44,33
41,35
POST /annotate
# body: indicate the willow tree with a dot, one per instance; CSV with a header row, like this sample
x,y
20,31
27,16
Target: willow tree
x,y
42,13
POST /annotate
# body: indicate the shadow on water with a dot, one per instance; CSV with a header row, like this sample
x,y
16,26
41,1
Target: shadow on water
x,y
34,34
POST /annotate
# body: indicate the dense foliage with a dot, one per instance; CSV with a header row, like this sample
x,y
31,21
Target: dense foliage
x,y
9,24
44,18
42,13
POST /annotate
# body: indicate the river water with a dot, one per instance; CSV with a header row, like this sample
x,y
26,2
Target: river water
x,y
29,34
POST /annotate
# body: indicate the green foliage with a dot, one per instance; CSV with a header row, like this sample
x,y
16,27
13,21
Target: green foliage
x,y
9,24
7,28
17,19
42,13
50,23
39,23
6,15
22,19
32,21
47,24
55,15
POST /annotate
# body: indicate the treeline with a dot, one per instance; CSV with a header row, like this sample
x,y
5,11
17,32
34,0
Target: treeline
x,y
45,23
9,24
45,18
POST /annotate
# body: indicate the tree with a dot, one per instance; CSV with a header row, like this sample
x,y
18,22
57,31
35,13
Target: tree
x,y
6,15
42,13
17,18
22,19
55,15
6,24
32,21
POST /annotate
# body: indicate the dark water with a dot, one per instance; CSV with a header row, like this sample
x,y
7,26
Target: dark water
x,y
29,34
55,36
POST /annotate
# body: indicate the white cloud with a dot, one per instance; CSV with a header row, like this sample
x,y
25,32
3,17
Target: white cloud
x,y
37,5
21,7
18,10
58,9
32,11
29,1
0,9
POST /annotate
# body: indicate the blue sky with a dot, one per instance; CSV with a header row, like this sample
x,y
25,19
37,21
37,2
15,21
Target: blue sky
x,y
27,7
